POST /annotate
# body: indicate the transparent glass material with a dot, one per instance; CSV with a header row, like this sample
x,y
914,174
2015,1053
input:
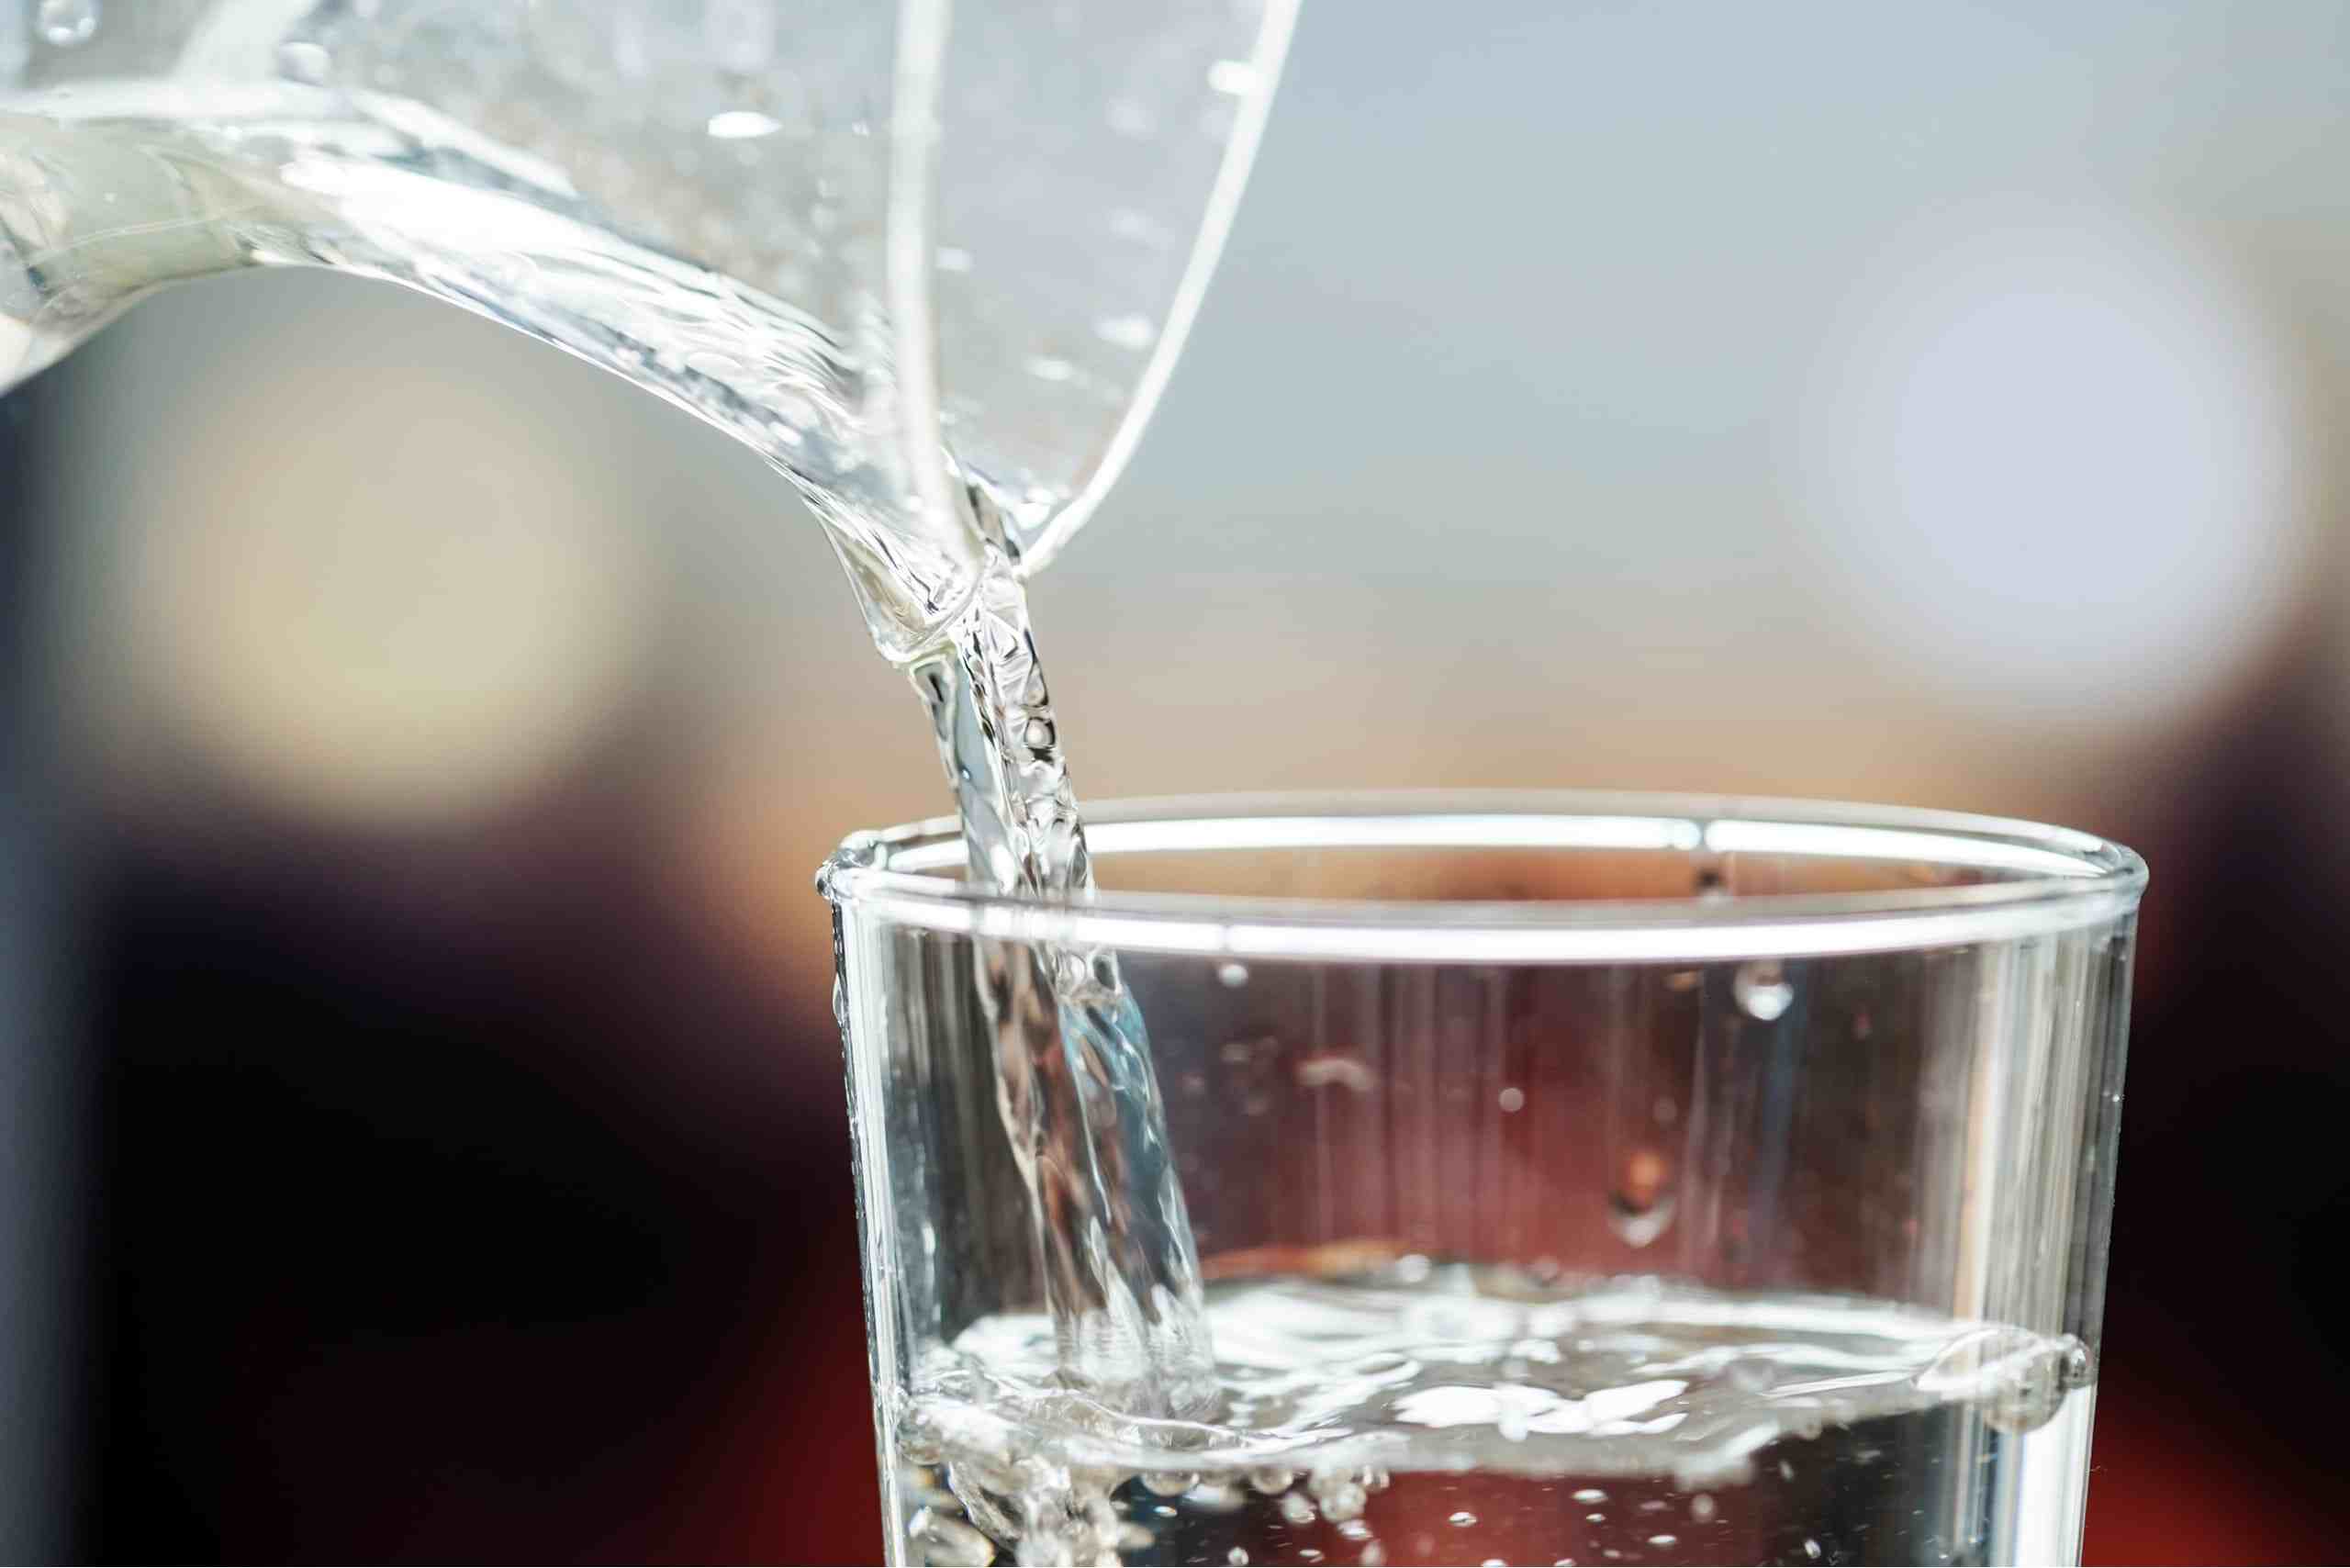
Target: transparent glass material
x,y
934,260
1576,1178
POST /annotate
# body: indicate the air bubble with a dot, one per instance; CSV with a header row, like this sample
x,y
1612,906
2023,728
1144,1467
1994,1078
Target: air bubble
x,y
1811,1549
1342,1498
1273,1480
1236,77
1591,1494
1701,1506
1512,1100
1664,1540
1126,331
1762,992
1463,1519
1170,1483
1373,1554
1232,977
1640,1207
2017,1378
302,61
67,24
949,1541
1324,1068
1296,1510
1237,1556
741,125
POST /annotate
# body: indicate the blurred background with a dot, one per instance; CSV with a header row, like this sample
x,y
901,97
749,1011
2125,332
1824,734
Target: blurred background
x,y
422,1112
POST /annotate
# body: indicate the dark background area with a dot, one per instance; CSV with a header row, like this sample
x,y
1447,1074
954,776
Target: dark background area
x,y
423,1113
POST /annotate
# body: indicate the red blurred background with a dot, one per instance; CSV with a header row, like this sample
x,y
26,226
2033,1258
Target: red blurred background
x,y
422,1099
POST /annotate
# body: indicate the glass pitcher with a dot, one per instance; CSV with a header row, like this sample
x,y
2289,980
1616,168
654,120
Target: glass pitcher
x,y
934,267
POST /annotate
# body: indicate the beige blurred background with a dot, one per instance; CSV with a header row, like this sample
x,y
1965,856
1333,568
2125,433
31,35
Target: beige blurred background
x,y
1935,403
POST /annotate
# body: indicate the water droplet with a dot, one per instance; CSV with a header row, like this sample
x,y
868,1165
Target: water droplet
x,y
1663,1540
1512,1100
1701,1506
1237,1556
2078,1367
67,24
1465,1518
1232,977
1811,1549
1046,367
1762,992
1591,1494
1296,1510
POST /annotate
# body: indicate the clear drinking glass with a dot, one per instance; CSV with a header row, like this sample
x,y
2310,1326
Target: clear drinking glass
x,y
1605,1179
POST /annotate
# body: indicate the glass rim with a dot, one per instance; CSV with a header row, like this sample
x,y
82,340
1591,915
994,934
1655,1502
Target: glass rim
x,y
2053,879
